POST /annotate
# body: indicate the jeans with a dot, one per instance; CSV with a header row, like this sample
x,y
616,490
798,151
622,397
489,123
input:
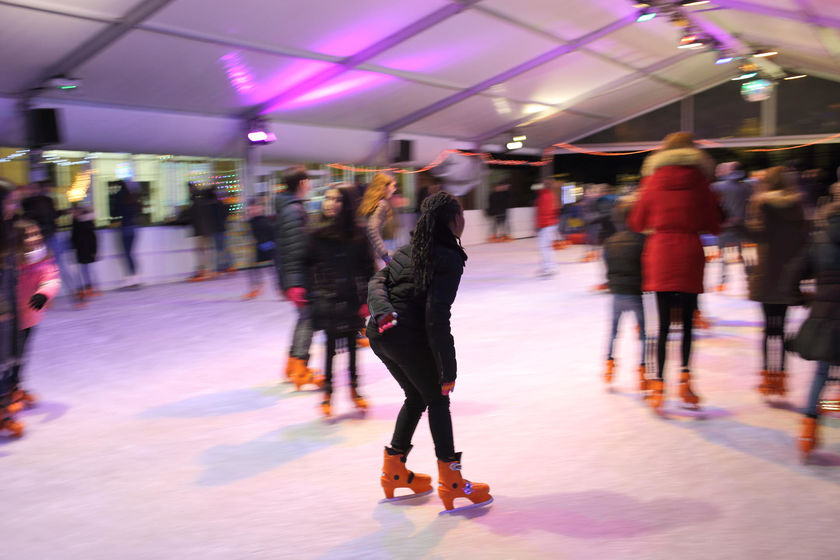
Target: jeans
x,y
820,377
302,337
223,258
545,238
622,303
25,336
127,235
726,239
55,244
86,276
409,359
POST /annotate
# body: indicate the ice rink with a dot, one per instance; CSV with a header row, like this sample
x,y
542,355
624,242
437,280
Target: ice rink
x,y
164,433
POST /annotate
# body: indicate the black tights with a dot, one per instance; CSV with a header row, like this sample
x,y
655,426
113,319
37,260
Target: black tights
x,y
407,355
773,346
668,303
350,340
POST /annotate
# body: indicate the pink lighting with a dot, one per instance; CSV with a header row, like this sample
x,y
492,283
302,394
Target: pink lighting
x,y
261,137
238,73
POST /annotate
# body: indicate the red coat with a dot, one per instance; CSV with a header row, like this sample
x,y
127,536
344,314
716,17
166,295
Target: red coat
x,y
546,208
676,205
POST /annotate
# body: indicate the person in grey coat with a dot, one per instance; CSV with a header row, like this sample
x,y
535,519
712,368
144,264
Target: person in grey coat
x,y
734,193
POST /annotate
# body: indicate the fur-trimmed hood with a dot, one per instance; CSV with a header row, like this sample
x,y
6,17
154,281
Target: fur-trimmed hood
x,y
688,157
780,198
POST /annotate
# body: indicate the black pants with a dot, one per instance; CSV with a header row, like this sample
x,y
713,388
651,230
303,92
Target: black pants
x,y
345,338
666,303
773,347
407,355
127,235
25,336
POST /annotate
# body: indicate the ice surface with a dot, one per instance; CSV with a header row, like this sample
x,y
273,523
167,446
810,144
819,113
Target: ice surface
x,y
164,433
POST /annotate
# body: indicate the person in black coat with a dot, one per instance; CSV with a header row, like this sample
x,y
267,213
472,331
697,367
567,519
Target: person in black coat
x,y
291,239
623,258
83,240
410,303
776,223
219,214
497,207
819,336
339,265
262,232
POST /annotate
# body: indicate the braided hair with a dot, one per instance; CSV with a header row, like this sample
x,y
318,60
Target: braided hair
x,y
437,212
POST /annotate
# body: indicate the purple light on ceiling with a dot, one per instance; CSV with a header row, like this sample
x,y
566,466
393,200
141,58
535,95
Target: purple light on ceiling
x,y
426,61
238,74
348,85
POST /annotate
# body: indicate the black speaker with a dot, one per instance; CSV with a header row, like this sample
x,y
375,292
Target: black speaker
x,y
401,151
42,127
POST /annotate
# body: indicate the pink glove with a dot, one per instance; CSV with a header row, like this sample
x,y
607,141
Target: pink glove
x,y
386,322
297,295
363,311
446,388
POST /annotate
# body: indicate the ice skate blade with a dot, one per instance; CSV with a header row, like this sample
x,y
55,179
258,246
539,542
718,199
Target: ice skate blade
x,y
408,497
465,508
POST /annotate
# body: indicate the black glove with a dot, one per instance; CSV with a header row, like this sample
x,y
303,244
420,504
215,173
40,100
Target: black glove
x,y
37,302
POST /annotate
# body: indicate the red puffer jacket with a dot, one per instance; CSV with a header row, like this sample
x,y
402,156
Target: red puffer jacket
x,y
546,208
676,205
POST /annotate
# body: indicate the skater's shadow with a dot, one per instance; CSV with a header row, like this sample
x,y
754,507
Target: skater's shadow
x,y
774,446
398,537
596,514
48,410
220,404
225,464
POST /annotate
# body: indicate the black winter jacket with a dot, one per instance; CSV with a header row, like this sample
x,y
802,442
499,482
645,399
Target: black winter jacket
x,y
819,336
623,257
83,238
290,239
338,271
393,289
776,222
262,230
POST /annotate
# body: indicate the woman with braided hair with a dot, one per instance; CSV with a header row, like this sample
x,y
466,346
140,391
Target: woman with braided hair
x,y
410,302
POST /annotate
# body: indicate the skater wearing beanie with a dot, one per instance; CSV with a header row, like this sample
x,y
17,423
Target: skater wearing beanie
x,y
676,205
776,223
38,283
623,257
410,303
9,321
339,265
818,336
291,241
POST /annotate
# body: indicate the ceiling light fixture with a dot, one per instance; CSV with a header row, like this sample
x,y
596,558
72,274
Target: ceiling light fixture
x,y
765,53
687,3
646,14
795,76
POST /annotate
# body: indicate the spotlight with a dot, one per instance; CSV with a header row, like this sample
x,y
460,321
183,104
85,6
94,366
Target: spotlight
x,y
687,3
765,53
745,76
639,5
62,82
795,76
258,132
646,14
513,145
724,58
520,138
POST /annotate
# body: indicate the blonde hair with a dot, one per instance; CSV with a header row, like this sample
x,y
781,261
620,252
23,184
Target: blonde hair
x,y
677,140
774,178
376,191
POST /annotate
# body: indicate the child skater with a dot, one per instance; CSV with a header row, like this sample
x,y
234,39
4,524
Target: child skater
x,y
83,238
38,283
623,257
262,230
818,337
410,303
339,265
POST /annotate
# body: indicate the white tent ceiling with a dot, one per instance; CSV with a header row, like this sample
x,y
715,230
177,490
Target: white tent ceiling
x,y
180,75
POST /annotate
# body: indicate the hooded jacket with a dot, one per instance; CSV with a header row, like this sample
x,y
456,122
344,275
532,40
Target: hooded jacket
x,y
819,336
776,223
675,206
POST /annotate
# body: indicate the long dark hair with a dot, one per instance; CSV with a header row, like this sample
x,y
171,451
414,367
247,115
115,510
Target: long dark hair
x,y
437,212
